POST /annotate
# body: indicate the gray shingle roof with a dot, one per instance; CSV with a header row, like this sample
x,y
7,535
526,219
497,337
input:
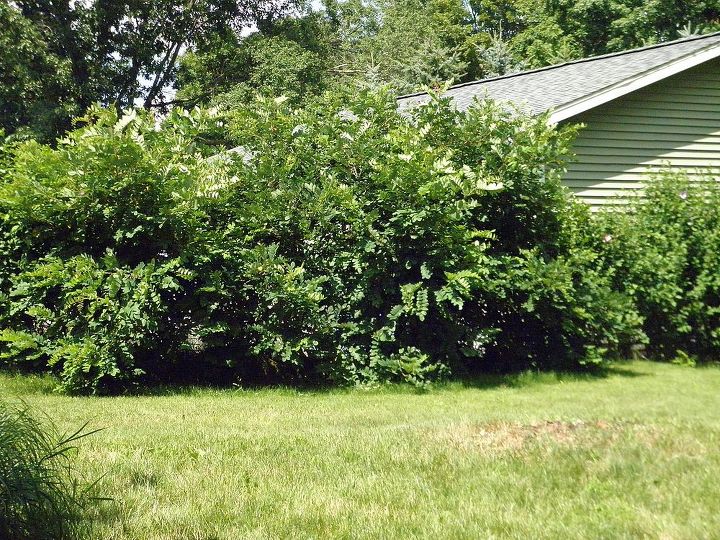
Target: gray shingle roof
x,y
554,86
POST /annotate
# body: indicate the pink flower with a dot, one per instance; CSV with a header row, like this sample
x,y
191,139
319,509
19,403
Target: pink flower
x,y
607,238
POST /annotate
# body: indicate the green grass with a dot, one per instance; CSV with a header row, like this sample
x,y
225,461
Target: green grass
x,y
633,454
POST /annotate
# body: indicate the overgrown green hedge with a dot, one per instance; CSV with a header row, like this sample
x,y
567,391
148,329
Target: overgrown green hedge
x,y
344,242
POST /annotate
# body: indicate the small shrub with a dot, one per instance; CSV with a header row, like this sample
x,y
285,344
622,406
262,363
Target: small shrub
x,y
41,497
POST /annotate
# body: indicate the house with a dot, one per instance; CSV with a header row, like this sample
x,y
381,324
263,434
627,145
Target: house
x,y
644,110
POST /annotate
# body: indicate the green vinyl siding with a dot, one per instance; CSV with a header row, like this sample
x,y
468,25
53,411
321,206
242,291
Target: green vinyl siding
x,y
675,122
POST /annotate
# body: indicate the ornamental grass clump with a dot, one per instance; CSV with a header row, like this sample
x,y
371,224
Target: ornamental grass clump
x,y
41,497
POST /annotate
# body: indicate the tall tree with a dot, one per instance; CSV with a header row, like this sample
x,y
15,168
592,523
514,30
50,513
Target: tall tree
x,y
603,26
114,45
37,94
408,43
289,56
121,51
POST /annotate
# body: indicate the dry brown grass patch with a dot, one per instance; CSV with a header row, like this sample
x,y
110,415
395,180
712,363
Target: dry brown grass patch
x,y
512,437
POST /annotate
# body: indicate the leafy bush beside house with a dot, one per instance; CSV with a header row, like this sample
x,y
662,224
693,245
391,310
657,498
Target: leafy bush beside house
x,y
664,254
342,242
456,239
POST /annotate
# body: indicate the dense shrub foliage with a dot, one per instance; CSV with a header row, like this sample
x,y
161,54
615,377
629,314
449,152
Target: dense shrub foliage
x,y
92,234
41,497
345,241
664,254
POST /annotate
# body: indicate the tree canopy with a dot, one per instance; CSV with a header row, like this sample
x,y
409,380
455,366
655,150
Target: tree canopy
x,y
62,56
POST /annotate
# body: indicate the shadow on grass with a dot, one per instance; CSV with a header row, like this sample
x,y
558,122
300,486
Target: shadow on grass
x,y
481,381
23,384
531,378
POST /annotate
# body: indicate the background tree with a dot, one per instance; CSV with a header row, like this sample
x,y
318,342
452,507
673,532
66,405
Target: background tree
x,y
37,92
63,55
416,44
405,44
108,51
603,26
288,56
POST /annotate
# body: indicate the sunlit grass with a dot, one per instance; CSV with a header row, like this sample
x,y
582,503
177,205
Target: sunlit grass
x,y
630,454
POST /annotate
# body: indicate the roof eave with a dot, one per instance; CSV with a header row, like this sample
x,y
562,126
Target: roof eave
x,y
641,80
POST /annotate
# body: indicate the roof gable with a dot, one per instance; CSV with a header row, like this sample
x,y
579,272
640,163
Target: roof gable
x,y
574,87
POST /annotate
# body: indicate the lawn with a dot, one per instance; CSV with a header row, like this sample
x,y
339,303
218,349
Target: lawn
x,y
631,454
